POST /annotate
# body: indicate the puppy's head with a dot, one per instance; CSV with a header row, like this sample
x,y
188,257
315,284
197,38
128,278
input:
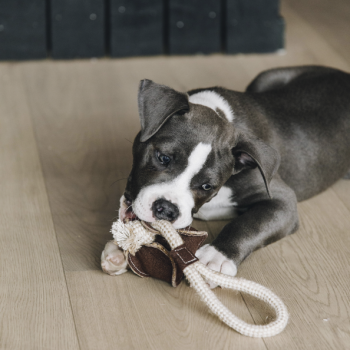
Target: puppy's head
x,y
181,157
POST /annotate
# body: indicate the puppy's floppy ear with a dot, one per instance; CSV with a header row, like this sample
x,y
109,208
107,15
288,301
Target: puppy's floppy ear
x,y
157,103
251,152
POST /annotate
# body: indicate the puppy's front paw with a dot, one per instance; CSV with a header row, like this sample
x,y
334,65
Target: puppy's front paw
x,y
216,261
113,260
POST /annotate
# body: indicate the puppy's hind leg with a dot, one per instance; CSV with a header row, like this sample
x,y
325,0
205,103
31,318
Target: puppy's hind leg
x,y
277,78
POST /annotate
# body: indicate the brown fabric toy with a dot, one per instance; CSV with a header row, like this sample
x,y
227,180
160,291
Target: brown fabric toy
x,y
157,260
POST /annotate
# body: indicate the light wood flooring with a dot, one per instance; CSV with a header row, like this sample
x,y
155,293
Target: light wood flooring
x,y
66,129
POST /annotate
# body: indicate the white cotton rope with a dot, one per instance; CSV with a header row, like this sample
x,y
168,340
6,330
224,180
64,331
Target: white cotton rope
x,y
195,273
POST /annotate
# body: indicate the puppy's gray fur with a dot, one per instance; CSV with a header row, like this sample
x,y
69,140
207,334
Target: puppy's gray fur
x,y
289,140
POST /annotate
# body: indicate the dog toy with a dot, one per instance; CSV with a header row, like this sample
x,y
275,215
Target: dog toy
x,y
160,251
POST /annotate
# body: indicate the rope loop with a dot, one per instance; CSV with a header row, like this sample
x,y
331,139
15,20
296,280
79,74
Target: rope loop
x,y
132,235
197,273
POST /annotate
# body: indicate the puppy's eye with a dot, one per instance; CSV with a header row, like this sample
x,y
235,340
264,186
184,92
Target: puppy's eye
x,y
163,159
206,187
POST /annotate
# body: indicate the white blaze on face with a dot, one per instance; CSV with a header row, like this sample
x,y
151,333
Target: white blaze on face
x,y
176,191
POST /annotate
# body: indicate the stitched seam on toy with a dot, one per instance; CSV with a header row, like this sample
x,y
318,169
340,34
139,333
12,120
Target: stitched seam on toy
x,y
184,248
196,233
192,233
200,243
140,272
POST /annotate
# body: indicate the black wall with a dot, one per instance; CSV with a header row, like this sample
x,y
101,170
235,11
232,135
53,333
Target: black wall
x,y
194,26
64,29
22,29
253,26
77,28
136,27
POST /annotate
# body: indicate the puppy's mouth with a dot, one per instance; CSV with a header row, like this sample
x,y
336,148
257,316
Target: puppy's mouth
x,y
126,212
129,214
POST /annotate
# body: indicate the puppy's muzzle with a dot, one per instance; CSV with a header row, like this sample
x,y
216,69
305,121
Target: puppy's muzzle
x,y
165,210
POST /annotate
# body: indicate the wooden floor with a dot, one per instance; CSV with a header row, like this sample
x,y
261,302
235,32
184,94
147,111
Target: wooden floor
x,y
65,151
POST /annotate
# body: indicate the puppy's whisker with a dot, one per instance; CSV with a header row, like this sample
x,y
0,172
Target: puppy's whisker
x,y
123,178
125,210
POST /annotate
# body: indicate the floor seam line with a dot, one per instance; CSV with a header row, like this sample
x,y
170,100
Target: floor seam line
x,y
50,208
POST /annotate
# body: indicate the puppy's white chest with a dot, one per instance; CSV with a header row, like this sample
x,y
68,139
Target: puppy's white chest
x,y
220,207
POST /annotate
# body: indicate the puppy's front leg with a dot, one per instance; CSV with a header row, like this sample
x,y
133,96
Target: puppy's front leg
x,y
113,260
264,222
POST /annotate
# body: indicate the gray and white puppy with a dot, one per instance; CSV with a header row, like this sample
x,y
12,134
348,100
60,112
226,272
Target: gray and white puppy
x,y
215,153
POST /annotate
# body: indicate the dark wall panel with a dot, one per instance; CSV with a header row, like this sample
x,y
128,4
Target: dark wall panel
x,y
248,9
77,28
194,26
136,27
31,29
253,26
22,29
248,36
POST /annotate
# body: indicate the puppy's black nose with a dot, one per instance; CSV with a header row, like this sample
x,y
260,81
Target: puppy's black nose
x,y
165,210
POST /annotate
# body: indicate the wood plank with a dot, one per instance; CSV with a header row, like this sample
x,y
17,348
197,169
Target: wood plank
x,y
330,18
342,189
309,39
310,271
86,155
134,313
34,302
